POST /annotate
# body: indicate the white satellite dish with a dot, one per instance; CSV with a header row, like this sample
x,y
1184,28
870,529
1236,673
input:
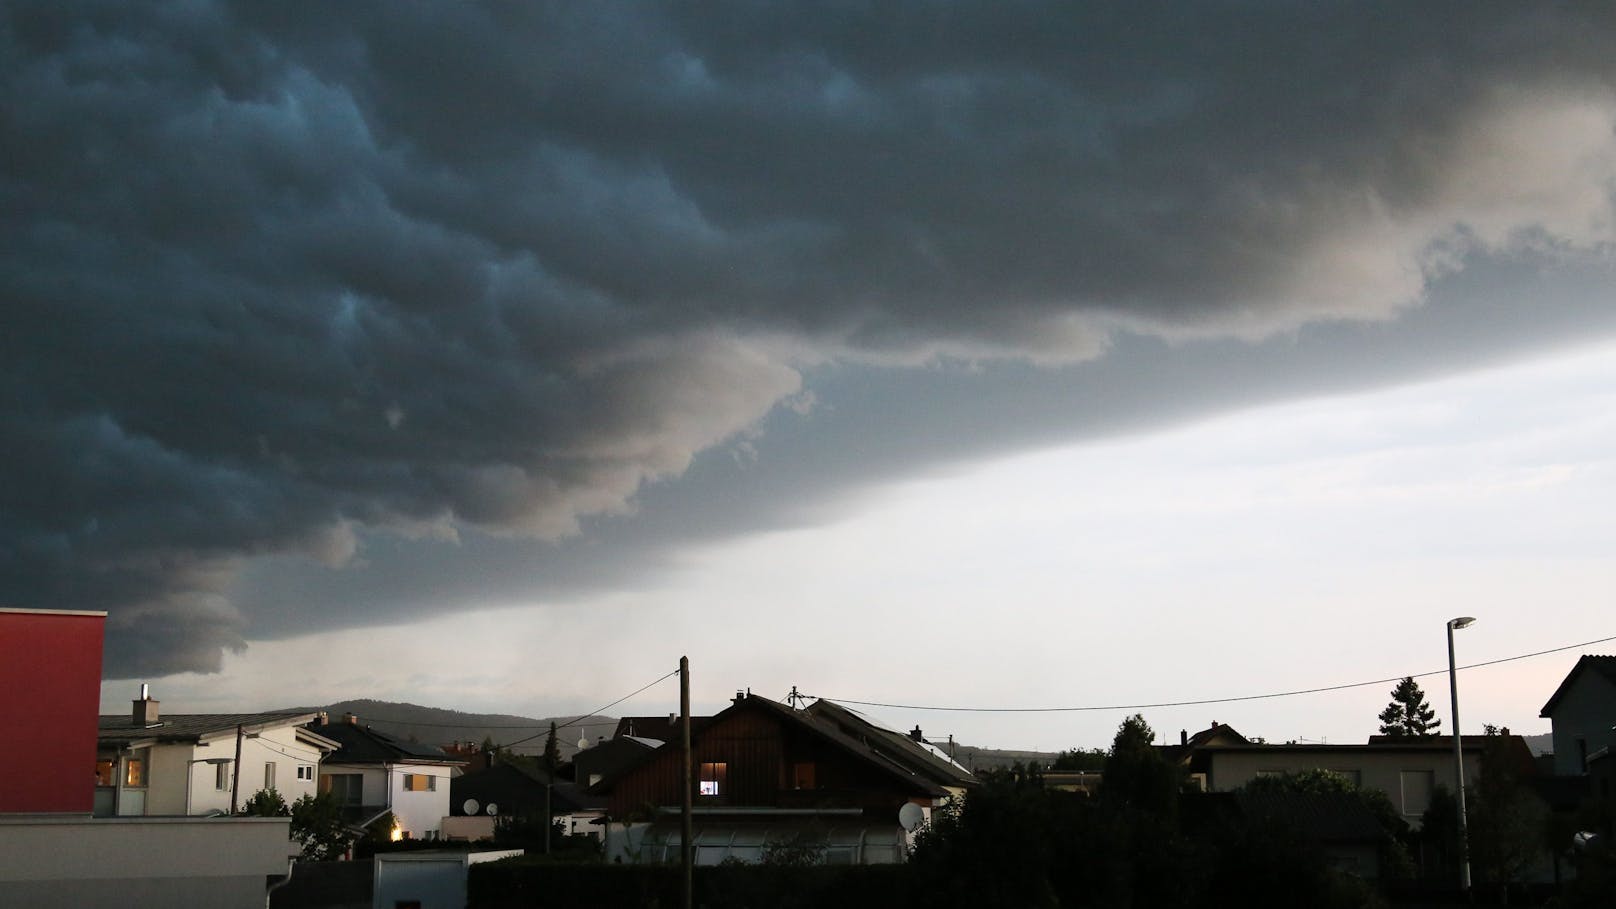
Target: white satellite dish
x,y
911,816
583,742
469,806
491,810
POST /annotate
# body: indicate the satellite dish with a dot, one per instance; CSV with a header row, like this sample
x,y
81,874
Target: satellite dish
x,y
469,806
583,742
911,816
491,810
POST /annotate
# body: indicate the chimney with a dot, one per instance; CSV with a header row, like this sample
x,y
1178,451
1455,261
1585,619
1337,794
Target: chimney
x,y
915,734
352,719
672,718
144,712
739,696
1183,736
320,718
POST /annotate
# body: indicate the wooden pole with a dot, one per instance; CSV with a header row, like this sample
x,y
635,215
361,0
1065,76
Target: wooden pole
x,y
235,776
687,851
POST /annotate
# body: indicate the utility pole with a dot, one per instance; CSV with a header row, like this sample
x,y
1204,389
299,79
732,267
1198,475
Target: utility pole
x,y
687,852
235,776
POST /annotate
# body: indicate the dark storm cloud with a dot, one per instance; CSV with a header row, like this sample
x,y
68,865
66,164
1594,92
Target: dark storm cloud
x,y
279,274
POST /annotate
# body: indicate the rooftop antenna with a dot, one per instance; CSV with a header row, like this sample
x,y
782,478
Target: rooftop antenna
x,y
794,697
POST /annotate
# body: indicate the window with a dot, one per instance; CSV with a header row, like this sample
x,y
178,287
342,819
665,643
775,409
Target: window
x,y
420,782
134,773
103,772
802,775
305,773
346,788
1416,786
221,777
713,778
269,774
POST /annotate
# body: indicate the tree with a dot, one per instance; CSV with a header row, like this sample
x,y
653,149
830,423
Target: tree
x,y
1508,822
552,752
318,828
265,803
1078,759
1137,776
1408,716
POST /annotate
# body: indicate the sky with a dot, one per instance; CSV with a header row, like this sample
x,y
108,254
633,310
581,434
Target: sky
x,y
949,354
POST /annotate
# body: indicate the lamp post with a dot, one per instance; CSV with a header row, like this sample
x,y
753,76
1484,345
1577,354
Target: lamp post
x,y
1458,755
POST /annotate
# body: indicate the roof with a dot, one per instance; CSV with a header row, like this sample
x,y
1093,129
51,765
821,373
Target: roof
x,y
928,759
1202,739
1599,664
658,728
1428,743
916,764
363,745
193,727
518,789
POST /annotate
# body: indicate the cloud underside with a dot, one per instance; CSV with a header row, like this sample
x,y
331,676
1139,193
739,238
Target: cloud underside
x,y
278,275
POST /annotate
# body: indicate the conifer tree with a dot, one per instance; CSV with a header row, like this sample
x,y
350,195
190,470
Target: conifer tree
x,y
1408,716
552,751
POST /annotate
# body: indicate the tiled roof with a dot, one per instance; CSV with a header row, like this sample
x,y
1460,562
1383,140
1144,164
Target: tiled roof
x,y
363,745
1597,663
191,727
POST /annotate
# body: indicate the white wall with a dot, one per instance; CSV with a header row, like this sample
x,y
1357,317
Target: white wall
x,y
86,863
1375,769
420,814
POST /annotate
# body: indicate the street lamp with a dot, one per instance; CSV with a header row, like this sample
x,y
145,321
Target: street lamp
x,y
1458,755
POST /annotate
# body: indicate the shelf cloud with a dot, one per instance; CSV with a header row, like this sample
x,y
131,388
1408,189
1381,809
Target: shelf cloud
x,y
280,276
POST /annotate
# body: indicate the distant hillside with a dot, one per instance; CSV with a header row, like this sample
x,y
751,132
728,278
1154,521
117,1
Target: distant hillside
x,y
977,759
437,726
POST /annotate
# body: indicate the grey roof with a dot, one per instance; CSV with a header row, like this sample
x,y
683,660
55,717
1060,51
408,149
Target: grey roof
x,y
363,745
192,727
918,755
1592,662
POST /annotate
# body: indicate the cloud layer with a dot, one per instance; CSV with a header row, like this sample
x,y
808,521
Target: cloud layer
x,y
279,275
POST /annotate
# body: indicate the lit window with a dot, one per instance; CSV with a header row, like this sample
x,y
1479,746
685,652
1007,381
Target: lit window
x,y
134,773
713,775
103,772
420,782
802,775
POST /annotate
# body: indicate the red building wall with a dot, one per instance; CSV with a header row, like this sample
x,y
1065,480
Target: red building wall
x,y
50,693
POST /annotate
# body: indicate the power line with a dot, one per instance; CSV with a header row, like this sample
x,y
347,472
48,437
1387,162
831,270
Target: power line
x,y
368,721
1202,701
595,711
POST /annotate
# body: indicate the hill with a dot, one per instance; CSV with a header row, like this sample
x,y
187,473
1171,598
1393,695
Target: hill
x,y
438,726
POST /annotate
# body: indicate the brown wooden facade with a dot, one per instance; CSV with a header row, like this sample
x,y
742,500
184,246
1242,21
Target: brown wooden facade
x,y
759,754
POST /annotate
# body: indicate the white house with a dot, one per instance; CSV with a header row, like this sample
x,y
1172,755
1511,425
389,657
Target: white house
x,y
197,764
372,773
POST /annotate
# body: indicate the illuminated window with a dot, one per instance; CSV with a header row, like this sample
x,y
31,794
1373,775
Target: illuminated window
x,y
713,778
802,775
420,782
134,773
103,772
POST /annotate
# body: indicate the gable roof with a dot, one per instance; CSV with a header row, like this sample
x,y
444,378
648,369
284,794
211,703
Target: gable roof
x,y
1599,664
363,745
518,789
919,755
892,753
183,728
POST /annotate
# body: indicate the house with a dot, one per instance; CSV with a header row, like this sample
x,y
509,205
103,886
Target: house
x,y
200,764
1407,770
53,853
372,773
1582,713
825,779
50,673
515,791
1190,752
